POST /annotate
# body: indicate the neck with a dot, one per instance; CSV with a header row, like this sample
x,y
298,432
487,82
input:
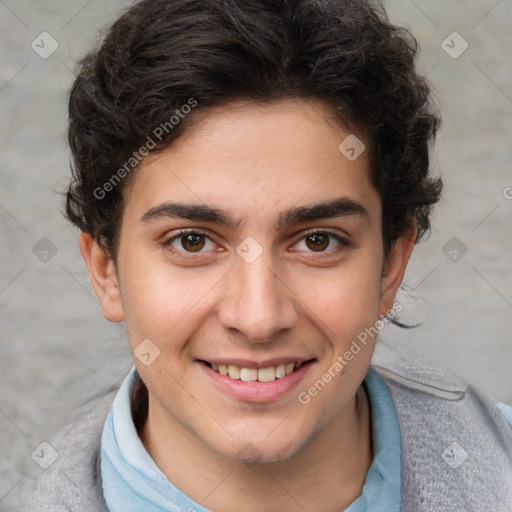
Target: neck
x,y
326,475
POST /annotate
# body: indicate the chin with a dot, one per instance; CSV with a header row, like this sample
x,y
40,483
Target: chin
x,y
261,449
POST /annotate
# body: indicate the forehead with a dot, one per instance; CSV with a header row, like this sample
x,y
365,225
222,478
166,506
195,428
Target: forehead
x,y
257,161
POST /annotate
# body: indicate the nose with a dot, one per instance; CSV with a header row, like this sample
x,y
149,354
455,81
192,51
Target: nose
x,y
256,301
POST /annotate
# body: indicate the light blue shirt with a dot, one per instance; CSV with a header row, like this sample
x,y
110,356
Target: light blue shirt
x,y
133,482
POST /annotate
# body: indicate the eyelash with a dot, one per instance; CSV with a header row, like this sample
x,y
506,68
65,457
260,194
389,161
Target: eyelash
x,y
343,242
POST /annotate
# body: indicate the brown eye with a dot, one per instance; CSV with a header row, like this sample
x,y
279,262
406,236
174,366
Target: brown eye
x,y
187,243
317,241
193,242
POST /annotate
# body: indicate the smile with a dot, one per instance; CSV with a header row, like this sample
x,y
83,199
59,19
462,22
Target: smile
x,y
245,374
245,382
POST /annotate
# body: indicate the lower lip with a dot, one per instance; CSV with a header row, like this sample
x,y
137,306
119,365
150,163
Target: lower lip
x,y
257,391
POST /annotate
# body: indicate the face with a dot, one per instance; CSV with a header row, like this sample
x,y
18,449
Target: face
x,y
252,247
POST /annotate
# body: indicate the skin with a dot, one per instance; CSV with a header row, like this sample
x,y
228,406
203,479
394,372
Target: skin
x,y
255,162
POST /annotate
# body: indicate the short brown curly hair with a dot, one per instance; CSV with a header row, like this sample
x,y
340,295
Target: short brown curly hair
x,y
160,54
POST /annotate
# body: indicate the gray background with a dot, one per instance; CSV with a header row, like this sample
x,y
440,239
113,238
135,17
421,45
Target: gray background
x,y
59,354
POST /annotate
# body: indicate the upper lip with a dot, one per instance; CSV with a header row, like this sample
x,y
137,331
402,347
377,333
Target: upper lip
x,y
251,363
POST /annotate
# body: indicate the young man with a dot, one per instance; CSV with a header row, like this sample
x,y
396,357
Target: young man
x,y
250,179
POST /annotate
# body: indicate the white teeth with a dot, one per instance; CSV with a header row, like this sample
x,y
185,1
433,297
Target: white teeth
x,y
280,371
267,374
254,374
248,374
234,371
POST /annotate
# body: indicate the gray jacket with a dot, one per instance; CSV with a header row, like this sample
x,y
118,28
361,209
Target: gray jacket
x,y
456,449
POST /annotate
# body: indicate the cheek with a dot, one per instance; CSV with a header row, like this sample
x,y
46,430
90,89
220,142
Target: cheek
x,y
345,299
161,303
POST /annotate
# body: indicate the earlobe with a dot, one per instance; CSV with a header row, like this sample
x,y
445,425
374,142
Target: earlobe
x,y
103,277
394,271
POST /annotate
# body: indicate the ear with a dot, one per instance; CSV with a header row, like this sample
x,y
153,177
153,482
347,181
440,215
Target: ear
x,y
103,278
394,269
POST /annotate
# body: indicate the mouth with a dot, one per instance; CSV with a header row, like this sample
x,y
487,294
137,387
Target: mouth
x,y
265,374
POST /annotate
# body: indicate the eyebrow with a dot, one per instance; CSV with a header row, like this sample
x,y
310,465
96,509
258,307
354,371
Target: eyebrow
x,y
195,212
341,207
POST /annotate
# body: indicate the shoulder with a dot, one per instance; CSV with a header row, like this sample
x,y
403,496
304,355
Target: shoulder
x,y
453,437
73,480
